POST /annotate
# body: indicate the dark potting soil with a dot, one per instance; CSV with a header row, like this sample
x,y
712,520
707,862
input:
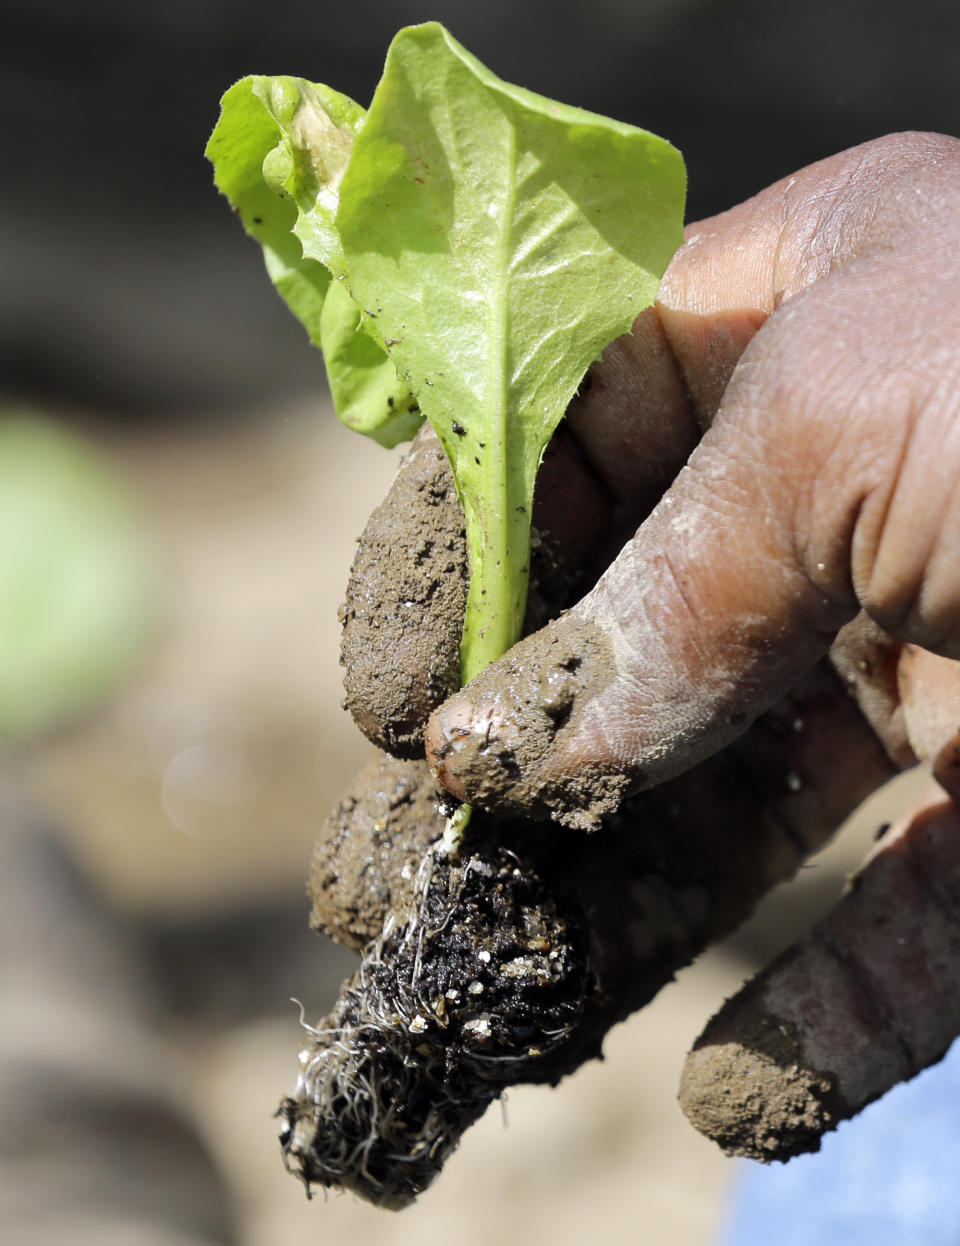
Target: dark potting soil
x,y
479,975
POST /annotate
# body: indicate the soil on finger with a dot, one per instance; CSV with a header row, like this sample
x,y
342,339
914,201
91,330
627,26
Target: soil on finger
x,y
406,596
403,613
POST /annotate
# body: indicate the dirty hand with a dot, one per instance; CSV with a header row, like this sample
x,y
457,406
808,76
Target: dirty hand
x,y
790,411
814,333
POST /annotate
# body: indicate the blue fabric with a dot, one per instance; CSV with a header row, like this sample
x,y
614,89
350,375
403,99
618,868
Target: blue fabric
x,y
891,1177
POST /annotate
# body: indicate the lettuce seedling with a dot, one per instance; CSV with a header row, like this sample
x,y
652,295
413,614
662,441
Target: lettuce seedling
x,y
463,251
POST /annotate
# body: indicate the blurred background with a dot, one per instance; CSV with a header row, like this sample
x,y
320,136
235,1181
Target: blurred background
x,y
177,515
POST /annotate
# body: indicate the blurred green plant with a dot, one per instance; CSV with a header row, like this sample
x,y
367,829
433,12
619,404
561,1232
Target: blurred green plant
x,y
75,597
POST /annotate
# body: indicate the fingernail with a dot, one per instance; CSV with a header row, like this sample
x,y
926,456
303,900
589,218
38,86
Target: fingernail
x,y
447,730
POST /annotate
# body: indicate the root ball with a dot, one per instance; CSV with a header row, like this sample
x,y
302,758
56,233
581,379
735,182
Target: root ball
x,y
482,979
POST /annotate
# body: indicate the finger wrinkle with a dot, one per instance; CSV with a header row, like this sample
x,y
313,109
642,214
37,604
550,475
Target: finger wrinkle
x,y
887,584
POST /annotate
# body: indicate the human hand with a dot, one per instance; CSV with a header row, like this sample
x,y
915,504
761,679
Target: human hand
x,y
813,333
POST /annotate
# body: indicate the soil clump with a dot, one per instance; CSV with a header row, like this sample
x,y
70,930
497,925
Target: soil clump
x,y
406,597
370,849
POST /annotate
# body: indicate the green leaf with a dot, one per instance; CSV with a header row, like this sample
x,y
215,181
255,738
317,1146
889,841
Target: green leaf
x,y
75,595
245,136
363,381
500,241
279,151
315,131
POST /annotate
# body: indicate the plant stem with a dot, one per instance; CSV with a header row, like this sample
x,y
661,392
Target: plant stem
x,y
499,551
496,504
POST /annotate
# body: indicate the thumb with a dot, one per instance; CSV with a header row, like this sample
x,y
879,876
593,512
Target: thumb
x,y
699,625
825,485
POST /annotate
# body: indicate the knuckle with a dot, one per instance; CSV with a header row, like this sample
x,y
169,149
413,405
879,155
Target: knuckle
x,y
911,573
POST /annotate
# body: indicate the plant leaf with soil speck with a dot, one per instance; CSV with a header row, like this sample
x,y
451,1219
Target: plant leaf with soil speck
x,y
367,393
502,240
